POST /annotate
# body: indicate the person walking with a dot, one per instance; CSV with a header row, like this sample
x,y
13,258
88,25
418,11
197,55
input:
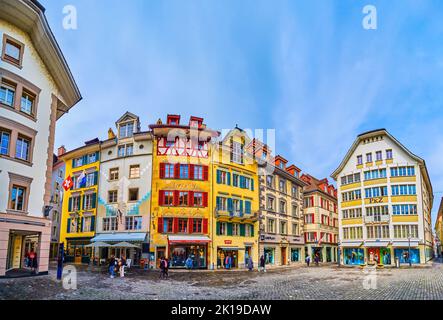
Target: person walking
x,y
308,260
316,259
112,267
162,268
122,266
262,263
189,263
250,264
167,268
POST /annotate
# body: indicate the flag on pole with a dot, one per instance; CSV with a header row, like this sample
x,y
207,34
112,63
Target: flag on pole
x,y
68,183
81,180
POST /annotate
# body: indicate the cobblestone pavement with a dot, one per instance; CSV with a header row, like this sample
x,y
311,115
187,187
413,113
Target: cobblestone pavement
x,y
324,282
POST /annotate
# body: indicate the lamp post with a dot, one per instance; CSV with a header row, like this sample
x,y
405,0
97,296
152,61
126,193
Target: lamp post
x,y
409,249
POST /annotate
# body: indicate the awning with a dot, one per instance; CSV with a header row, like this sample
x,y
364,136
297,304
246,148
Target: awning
x,y
351,244
188,239
376,244
98,245
405,244
230,248
125,245
119,237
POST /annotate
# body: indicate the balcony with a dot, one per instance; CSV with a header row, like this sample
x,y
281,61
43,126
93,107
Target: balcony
x,y
237,216
377,219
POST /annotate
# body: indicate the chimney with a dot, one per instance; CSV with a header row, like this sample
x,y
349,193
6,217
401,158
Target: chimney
x,y
61,151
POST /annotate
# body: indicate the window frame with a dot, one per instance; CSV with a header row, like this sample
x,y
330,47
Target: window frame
x,y
19,45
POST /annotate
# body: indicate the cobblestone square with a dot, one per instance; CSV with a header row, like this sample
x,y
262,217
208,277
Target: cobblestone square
x,y
299,283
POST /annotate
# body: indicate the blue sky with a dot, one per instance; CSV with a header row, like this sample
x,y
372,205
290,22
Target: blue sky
x,y
306,68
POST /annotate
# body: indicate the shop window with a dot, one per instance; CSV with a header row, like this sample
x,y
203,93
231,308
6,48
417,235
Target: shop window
x,y
295,255
353,256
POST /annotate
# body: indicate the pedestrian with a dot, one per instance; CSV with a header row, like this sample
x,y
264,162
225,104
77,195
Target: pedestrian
x,y
227,266
31,259
262,263
166,268
112,267
162,268
122,266
250,264
316,259
308,260
189,263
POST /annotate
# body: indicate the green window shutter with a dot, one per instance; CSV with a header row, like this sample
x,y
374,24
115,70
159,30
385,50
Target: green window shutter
x,y
85,159
241,206
94,200
73,163
242,230
83,202
218,202
252,230
93,223
229,178
247,207
235,182
68,226
229,229
70,205
217,225
252,184
218,176
230,205
95,177
97,156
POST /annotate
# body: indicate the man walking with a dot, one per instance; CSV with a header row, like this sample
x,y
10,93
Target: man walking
x,y
112,267
308,260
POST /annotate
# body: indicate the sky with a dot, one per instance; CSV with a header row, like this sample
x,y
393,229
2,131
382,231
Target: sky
x,y
307,69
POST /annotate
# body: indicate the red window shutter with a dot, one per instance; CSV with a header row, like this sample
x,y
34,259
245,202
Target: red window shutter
x,y
205,199
191,171
306,237
312,201
160,225
175,225
162,170
191,198
205,173
176,194
205,226
190,225
161,198
177,171
313,218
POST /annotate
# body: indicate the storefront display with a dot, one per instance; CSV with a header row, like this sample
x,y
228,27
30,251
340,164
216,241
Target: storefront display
x,y
353,256
223,253
269,255
403,255
295,254
180,253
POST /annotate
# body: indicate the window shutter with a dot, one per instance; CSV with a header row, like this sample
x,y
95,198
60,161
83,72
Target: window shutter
x,y
73,163
85,159
70,205
97,156
176,194
247,207
190,225
92,223
230,208
252,184
191,198
176,171
82,199
205,226
218,203
205,173
68,227
205,199
162,170
228,175
313,218
95,177
252,230
218,176
235,182
191,171
161,198
79,222
229,229
175,225
242,230
241,206
160,225
312,201
217,226
94,200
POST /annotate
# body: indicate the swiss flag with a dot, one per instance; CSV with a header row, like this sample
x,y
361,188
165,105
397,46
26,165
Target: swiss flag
x,y
68,183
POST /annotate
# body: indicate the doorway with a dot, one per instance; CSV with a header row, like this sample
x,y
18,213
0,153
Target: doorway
x,y
283,256
161,252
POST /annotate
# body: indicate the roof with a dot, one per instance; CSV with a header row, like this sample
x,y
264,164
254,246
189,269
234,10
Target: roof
x,y
372,133
28,15
313,185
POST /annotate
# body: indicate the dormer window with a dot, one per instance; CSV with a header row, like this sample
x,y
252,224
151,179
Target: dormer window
x,y
195,122
237,152
173,120
282,165
264,155
126,130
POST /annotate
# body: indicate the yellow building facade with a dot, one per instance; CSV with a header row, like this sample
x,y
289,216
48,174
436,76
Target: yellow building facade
x,y
181,183
235,200
439,229
78,220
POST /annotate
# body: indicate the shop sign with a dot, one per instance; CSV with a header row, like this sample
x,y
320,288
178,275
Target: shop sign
x,y
228,241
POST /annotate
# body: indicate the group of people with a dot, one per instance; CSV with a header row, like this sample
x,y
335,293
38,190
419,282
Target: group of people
x,y
316,259
117,266
31,260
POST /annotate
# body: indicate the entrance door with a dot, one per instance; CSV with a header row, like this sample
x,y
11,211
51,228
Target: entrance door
x,y
328,254
283,256
373,255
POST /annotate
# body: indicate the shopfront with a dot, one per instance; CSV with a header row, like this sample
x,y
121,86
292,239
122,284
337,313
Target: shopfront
x,y
183,247
378,253
295,254
317,251
404,254
223,253
77,250
353,256
269,255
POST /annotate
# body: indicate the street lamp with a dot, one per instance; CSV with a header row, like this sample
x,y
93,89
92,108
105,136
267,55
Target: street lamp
x,y
409,249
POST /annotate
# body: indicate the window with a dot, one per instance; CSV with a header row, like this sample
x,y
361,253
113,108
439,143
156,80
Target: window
x,y
404,190
249,230
269,181
404,209
223,228
90,179
133,194
237,204
87,224
389,154
378,156
283,227
222,204
369,157
282,206
198,199
133,223
352,178
376,192
359,160
404,231
168,225
125,150
110,224
282,185
353,233
198,173
78,162
294,210
5,140
113,174
169,171
352,213
197,226
92,157
294,191
270,203
375,174
7,93
184,171
12,50
182,225
75,203
168,198
237,152
377,232
235,229
183,197
403,172
88,202
271,225
134,171
126,130
18,195
309,218
22,148
112,196
295,231
27,103
223,177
